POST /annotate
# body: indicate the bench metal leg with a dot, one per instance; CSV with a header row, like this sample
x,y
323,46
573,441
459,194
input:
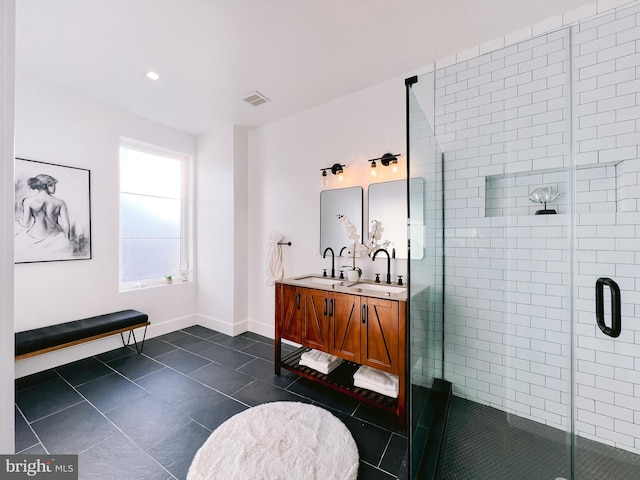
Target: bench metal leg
x,y
135,343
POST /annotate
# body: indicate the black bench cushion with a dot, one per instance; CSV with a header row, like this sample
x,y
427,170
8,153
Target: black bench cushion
x,y
54,335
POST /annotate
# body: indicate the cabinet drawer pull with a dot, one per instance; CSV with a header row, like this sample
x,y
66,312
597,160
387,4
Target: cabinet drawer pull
x,y
363,315
297,301
331,305
325,307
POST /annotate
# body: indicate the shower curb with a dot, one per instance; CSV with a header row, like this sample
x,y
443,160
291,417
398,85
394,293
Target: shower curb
x,y
438,402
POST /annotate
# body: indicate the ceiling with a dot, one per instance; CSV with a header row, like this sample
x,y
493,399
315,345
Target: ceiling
x,y
211,53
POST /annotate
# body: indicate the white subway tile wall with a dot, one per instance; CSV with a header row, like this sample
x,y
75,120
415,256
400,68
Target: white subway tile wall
x,y
507,121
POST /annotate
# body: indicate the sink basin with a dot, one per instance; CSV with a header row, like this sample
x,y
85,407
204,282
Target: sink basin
x,y
380,287
320,280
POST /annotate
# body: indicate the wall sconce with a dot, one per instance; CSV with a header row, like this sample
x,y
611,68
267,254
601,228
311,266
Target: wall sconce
x,y
336,169
386,160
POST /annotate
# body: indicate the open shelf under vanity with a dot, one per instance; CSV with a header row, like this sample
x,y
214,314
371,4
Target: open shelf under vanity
x,y
340,379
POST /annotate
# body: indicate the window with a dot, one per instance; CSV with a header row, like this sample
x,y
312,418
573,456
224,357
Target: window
x,y
153,206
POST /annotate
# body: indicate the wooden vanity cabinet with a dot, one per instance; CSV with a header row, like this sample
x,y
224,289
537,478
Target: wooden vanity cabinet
x,y
360,329
344,326
380,335
314,315
288,323
303,316
365,331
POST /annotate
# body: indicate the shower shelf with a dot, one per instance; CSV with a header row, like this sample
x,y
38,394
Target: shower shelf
x,y
596,190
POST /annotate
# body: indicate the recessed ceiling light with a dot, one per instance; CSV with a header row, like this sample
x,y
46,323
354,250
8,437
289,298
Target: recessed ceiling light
x,y
151,75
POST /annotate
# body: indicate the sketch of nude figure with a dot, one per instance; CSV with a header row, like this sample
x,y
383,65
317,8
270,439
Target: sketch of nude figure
x,y
44,215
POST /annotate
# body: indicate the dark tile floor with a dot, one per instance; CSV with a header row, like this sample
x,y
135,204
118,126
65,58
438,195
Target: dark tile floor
x,y
482,442
131,416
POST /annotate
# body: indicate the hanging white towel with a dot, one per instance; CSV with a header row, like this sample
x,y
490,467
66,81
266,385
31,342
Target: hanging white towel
x,y
274,270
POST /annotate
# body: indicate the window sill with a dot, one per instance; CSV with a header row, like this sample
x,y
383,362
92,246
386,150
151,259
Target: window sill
x,y
147,284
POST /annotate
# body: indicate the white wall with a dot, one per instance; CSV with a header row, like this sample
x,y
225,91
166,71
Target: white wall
x,y
7,410
55,126
285,159
221,221
214,225
241,228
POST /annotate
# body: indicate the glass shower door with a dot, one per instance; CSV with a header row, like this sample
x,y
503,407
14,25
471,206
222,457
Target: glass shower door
x,y
503,122
607,247
425,203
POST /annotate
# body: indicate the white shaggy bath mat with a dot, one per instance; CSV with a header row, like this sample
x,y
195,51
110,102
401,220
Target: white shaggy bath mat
x,y
278,441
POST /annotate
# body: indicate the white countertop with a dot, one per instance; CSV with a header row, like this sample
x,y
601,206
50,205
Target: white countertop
x,y
363,287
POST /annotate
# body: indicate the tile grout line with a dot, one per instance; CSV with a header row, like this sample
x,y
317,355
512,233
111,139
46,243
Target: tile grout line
x,y
279,388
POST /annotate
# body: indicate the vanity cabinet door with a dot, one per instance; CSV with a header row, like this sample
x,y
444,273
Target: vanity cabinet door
x,y
288,303
344,326
380,334
315,318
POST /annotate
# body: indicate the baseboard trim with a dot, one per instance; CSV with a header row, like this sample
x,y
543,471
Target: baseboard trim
x,y
231,329
262,329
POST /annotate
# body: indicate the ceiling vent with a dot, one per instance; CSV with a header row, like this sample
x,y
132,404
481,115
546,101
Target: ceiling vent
x,y
255,98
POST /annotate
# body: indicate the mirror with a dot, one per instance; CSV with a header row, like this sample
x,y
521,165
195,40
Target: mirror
x,y
388,204
345,201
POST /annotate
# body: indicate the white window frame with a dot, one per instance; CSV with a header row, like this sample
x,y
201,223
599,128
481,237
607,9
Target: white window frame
x,y
186,220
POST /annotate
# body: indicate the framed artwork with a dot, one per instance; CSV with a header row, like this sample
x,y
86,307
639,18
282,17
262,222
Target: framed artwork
x,y
52,212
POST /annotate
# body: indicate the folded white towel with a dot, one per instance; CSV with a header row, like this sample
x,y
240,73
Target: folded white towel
x,y
319,357
320,361
376,380
319,366
376,377
391,392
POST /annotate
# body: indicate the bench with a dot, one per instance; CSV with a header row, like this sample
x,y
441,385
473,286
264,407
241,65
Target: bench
x,y
54,337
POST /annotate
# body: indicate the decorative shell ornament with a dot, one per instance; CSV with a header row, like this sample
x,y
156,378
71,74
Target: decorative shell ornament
x,y
543,196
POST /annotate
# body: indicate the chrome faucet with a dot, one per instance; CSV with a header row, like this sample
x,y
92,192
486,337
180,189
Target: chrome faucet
x,y
333,260
388,263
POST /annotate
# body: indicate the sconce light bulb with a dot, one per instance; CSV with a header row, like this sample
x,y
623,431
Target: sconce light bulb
x,y
394,169
341,176
373,172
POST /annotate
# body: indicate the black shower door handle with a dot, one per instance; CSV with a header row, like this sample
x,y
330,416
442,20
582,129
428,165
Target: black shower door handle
x,y
616,321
